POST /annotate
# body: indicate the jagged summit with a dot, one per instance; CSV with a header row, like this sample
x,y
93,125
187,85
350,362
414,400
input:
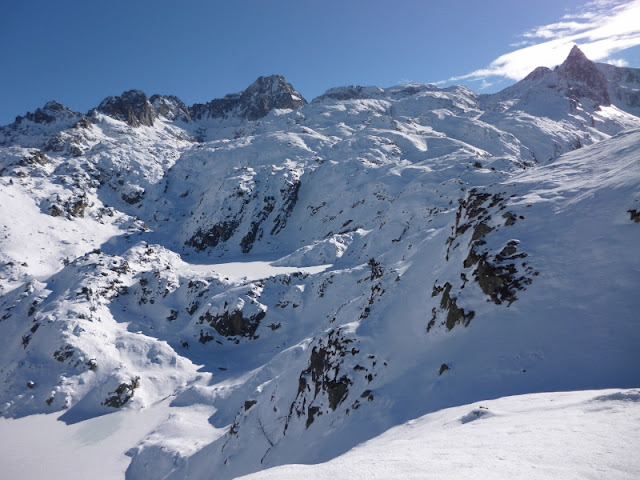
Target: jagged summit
x,y
132,107
54,106
576,56
52,111
136,109
262,96
580,72
577,79
169,107
583,78
267,93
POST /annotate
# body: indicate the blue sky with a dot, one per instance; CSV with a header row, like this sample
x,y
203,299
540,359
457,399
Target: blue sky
x,y
78,52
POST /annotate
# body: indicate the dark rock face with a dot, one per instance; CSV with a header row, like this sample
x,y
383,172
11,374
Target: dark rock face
x,y
64,353
132,197
584,79
324,378
267,93
52,112
47,114
122,394
255,232
38,158
132,107
290,197
448,304
262,96
217,108
71,207
220,232
498,278
170,107
234,323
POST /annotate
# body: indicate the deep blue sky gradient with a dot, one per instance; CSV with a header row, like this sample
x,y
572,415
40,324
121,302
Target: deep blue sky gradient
x,y
78,52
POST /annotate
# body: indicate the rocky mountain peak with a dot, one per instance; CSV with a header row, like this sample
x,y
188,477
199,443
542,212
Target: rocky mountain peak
x,y
583,77
271,82
47,114
267,93
576,56
54,106
169,107
262,96
132,106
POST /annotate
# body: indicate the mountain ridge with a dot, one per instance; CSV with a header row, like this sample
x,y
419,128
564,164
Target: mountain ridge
x,y
576,68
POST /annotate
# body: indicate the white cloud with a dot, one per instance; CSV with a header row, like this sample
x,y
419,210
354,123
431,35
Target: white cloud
x,y
600,28
618,62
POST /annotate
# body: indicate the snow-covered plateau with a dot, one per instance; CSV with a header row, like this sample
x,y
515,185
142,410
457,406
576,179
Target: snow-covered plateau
x,y
379,283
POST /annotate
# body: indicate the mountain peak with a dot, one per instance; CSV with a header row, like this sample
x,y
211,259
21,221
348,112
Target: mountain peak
x,y
577,64
583,77
267,93
54,106
52,111
270,81
169,107
132,106
576,56
259,98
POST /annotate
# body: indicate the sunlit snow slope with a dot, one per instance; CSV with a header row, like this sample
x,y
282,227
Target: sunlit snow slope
x,y
560,435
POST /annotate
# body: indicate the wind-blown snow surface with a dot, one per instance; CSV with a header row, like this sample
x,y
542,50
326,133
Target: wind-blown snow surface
x,y
592,434
316,274
552,435
40,446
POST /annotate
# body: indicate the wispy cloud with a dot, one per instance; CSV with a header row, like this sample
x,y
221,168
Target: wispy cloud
x,y
600,28
618,62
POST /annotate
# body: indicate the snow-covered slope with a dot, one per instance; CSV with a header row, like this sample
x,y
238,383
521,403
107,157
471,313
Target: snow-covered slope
x,y
314,274
559,435
551,435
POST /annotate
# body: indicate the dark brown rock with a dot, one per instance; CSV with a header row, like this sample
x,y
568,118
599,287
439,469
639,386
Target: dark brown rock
x,y
132,107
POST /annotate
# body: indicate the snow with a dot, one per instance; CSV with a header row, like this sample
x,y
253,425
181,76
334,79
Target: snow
x,y
244,271
96,448
575,435
585,434
49,239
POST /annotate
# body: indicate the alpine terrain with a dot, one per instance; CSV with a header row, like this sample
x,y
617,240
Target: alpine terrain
x,y
258,281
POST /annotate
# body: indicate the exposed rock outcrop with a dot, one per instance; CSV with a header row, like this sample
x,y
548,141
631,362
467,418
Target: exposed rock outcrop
x,y
262,96
170,107
583,78
52,111
132,107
